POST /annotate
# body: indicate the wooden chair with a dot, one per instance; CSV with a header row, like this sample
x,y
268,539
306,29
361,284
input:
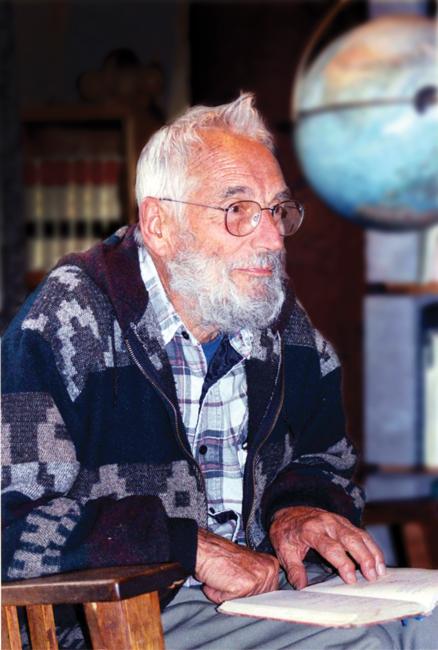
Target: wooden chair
x,y
413,524
121,606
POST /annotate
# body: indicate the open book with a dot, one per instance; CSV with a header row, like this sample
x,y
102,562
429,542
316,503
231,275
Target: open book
x,y
398,594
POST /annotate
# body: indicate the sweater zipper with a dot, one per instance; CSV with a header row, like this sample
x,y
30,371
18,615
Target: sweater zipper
x,y
250,541
189,456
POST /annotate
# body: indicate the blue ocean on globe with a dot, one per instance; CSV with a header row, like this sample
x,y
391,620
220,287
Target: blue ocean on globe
x,y
366,130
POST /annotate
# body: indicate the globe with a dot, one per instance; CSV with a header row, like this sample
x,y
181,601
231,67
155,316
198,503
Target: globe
x,y
366,123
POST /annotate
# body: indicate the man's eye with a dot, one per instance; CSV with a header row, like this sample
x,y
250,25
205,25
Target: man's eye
x,y
280,212
235,209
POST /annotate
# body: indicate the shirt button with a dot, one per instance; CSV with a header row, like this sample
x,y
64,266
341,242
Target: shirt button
x,y
185,335
203,449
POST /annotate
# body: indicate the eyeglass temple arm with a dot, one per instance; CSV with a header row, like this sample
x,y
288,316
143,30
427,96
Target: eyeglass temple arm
x,y
199,205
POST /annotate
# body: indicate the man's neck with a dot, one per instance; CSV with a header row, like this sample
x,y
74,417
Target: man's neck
x,y
202,334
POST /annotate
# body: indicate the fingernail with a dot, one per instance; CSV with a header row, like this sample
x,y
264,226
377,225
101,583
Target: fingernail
x,y
371,574
350,577
381,569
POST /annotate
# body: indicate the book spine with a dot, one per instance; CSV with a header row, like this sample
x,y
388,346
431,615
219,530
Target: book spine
x,y
70,209
430,255
430,384
34,211
110,207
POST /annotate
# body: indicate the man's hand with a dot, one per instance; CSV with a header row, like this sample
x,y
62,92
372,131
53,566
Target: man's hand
x,y
228,570
297,529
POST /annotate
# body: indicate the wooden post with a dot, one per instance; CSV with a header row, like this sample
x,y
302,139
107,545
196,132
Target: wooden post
x,y
415,535
11,639
132,623
42,627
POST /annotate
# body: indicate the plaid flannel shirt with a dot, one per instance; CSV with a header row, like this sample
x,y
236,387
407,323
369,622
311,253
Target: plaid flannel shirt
x,y
217,427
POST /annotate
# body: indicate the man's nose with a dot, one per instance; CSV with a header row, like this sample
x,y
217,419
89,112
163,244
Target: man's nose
x,y
267,234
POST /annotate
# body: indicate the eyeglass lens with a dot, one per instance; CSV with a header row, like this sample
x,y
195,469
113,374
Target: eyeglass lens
x,y
243,217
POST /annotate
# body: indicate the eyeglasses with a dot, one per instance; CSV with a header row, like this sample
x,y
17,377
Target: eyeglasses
x,y
242,217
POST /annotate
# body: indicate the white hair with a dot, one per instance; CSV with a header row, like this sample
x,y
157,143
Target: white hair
x,y
162,166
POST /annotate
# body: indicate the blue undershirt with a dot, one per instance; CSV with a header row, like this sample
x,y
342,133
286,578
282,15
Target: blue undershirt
x,y
211,346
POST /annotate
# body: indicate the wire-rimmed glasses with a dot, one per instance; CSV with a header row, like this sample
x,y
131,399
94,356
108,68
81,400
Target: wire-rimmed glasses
x,y
243,217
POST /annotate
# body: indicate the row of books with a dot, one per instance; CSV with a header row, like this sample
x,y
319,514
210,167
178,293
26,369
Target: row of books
x,y
70,204
404,257
401,380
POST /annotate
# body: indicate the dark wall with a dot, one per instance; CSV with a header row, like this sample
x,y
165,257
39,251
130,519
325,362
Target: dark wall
x,y
256,47
58,40
12,288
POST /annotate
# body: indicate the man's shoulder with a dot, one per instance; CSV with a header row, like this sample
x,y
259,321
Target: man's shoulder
x,y
67,293
70,319
300,333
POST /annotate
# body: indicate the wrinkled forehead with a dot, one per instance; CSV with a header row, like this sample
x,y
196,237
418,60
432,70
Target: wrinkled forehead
x,y
229,159
217,145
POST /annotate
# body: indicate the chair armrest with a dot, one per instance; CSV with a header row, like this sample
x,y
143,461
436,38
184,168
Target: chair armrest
x,y
94,585
413,526
401,511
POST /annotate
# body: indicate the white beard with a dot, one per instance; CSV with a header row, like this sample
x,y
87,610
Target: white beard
x,y
205,283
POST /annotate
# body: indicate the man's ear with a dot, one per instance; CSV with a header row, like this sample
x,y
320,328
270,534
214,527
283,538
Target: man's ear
x,y
153,226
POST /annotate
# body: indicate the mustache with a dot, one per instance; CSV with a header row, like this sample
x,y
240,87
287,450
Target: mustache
x,y
269,260
198,261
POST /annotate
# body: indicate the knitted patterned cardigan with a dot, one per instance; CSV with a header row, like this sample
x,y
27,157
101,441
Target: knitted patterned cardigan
x,y
97,470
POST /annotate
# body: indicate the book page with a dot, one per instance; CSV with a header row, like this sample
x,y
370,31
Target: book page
x,y
319,609
413,585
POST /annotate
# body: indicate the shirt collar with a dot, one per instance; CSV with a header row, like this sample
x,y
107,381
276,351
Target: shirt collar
x,y
168,319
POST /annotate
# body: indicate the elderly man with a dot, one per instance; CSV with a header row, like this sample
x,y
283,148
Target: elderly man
x,y
167,398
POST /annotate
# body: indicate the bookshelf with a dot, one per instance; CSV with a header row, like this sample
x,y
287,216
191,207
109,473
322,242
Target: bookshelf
x,y
401,367
400,474
79,165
